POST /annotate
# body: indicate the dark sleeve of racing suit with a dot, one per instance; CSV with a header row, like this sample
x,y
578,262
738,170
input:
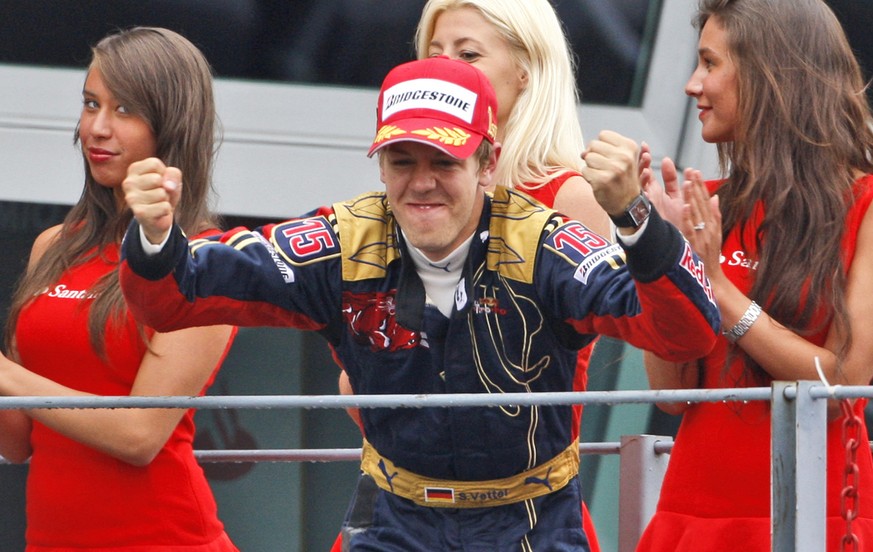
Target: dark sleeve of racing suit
x,y
289,274
668,308
242,275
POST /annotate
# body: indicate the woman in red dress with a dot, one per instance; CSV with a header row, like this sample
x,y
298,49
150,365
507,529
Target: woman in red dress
x,y
787,240
121,479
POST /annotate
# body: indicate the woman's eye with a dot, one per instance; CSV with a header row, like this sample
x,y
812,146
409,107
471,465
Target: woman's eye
x,y
90,104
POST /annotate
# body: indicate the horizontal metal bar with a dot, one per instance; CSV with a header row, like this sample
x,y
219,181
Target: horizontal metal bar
x,y
278,455
342,454
838,391
393,401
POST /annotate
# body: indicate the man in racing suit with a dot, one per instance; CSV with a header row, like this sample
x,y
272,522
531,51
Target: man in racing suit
x,y
434,286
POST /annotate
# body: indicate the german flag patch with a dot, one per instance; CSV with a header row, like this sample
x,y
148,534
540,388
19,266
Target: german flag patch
x,y
439,494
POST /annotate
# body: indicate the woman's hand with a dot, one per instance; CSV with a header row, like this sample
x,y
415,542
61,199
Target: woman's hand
x,y
15,425
666,198
701,222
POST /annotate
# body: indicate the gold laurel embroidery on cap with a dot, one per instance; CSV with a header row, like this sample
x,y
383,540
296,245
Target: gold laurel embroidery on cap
x,y
492,125
386,132
448,136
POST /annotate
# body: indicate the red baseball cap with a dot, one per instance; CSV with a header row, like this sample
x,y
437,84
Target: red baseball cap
x,y
442,102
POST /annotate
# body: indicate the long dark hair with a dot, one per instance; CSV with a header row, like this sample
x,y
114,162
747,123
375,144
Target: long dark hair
x,y
164,79
803,135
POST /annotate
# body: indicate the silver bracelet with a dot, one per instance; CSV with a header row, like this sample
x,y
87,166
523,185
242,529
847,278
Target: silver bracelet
x,y
740,328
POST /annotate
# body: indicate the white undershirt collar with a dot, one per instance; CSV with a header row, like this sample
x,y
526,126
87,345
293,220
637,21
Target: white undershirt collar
x,y
440,278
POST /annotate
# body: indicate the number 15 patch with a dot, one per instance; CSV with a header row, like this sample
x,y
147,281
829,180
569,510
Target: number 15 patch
x,y
584,249
306,240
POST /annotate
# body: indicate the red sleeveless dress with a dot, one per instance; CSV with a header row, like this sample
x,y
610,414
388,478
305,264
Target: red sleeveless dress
x,y
716,493
82,500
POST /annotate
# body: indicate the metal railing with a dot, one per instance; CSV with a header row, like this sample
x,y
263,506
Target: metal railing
x,y
799,434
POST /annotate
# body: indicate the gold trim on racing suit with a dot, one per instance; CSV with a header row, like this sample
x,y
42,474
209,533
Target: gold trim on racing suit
x,y
444,493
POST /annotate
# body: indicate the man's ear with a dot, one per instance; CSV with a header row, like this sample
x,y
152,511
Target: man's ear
x,y
487,170
381,168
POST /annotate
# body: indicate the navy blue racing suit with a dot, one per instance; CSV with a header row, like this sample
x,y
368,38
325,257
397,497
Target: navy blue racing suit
x,y
536,287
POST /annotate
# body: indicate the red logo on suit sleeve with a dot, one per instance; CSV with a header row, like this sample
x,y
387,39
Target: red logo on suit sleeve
x,y
694,266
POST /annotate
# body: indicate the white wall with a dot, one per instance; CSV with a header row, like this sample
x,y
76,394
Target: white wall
x,y
286,148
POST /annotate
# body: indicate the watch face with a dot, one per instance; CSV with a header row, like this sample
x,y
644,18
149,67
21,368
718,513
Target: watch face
x,y
635,215
639,210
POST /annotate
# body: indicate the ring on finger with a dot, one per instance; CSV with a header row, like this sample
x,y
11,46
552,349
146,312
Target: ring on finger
x,y
700,226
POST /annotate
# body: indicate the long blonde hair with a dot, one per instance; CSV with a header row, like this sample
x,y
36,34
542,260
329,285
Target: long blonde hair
x,y
163,78
542,137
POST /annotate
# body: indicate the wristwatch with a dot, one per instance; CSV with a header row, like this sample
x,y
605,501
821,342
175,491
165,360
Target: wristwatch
x,y
635,214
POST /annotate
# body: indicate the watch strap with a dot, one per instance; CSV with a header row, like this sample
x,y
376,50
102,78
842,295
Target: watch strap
x,y
635,214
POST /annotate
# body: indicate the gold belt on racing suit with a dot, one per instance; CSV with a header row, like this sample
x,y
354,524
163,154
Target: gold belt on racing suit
x,y
443,493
